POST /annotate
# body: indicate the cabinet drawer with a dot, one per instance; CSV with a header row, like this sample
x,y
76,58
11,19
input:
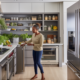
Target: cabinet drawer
x,y
29,47
29,61
28,53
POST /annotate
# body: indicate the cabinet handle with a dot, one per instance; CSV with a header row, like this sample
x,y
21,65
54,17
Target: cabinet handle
x,y
77,75
71,68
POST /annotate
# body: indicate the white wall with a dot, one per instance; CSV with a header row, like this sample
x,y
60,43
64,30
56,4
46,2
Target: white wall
x,y
65,6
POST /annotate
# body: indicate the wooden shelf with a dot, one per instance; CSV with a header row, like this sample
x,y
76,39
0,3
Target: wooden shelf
x,y
21,20
50,20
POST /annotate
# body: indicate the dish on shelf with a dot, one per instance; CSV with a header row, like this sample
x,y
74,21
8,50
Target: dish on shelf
x,y
7,19
13,29
19,24
8,29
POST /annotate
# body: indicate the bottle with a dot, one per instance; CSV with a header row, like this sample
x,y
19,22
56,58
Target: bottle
x,y
55,40
49,28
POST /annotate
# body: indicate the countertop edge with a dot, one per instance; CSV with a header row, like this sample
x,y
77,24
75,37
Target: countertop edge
x,y
7,53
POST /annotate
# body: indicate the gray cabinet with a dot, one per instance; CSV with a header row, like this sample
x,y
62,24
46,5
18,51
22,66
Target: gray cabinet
x,y
25,7
52,7
37,7
20,59
10,7
28,55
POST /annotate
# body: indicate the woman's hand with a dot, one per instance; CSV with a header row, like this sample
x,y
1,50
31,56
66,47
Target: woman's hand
x,y
30,44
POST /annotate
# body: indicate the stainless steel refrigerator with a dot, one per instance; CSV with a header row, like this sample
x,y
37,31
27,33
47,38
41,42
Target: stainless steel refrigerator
x,y
73,48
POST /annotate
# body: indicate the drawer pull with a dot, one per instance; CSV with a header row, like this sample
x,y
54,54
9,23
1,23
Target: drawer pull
x,y
71,68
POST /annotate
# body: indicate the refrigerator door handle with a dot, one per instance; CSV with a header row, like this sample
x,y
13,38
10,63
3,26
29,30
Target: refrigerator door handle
x,y
78,75
71,68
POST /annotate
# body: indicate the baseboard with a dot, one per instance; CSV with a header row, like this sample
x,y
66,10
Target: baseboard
x,y
63,64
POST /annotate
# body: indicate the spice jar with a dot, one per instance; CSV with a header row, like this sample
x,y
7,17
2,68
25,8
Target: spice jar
x,y
52,41
55,40
49,28
49,40
46,17
45,28
53,17
39,17
56,17
49,17
7,24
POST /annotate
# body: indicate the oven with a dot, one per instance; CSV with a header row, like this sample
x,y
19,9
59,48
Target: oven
x,y
3,70
50,55
10,66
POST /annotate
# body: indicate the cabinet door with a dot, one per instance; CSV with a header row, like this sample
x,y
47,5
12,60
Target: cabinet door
x,y
29,61
25,7
7,0
28,53
52,7
10,7
37,7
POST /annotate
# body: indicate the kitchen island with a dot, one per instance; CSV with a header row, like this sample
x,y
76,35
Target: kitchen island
x,y
5,62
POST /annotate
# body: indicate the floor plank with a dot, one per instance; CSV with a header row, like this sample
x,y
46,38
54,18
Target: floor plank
x,y
51,73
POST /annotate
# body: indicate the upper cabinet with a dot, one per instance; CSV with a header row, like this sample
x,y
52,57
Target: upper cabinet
x,y
7,0
37,7
52,7
10,7
25,7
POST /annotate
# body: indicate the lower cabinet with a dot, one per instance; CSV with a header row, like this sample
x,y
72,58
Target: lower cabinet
x,y
29,61
28,55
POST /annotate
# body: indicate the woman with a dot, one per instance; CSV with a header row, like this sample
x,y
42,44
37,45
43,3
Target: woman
x,y
37,39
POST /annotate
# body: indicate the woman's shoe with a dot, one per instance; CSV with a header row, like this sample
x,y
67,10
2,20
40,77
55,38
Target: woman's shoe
x,y
33,78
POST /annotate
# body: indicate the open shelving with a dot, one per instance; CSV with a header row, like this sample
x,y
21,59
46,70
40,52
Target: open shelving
x,y
26,23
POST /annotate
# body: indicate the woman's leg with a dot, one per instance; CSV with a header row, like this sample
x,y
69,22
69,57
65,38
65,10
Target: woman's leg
x,y
35,65
34,59
38,59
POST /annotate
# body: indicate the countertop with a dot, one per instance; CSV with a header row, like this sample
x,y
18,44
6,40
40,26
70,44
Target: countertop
x,y
2,57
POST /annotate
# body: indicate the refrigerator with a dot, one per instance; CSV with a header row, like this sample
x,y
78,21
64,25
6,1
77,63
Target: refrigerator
x,y
73,43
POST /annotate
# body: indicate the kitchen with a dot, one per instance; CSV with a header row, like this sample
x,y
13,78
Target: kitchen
x,y
20,19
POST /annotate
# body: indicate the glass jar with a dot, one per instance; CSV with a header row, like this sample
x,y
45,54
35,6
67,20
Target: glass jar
x,y
53,17
49,28
56,17
55,40
45,28
52,41
12,18
8,24
39,17
49,40
46,17
49,17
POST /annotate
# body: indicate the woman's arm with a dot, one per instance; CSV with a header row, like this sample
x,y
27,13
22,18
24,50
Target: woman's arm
x,y
41,42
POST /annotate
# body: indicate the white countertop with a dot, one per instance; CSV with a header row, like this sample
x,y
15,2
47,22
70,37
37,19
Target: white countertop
x,y
53,44
3,56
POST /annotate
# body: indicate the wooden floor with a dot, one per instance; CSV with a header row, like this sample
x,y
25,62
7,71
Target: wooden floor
x,y
51,73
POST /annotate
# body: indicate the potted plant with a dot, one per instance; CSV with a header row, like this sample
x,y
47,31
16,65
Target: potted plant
x,y
16,39
24,36
2,23
29,37
1,41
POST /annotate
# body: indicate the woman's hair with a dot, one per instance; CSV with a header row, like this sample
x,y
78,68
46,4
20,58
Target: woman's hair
x,y
37,26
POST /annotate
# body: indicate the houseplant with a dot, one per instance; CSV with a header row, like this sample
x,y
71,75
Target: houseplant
x,y
2,24
24,36
29,37
15,38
